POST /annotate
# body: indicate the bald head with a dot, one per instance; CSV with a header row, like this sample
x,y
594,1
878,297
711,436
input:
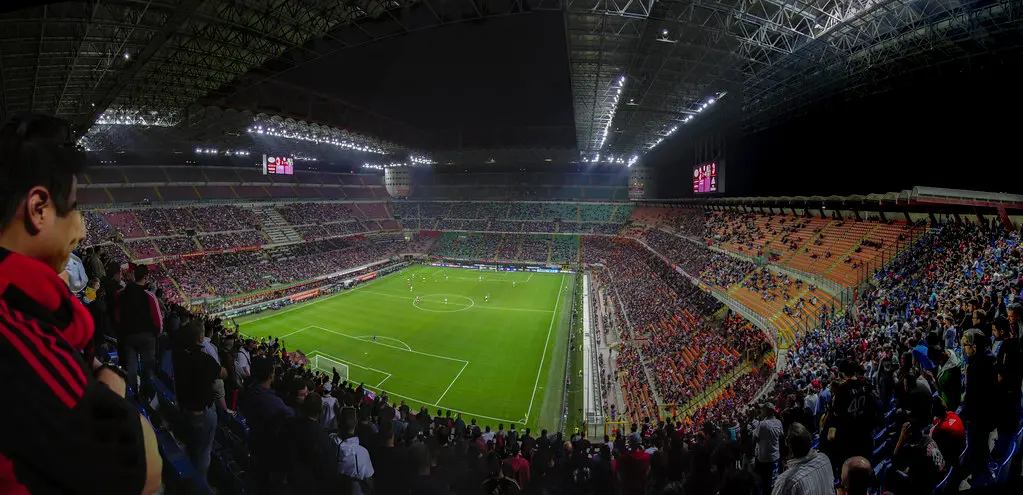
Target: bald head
x,y
857,476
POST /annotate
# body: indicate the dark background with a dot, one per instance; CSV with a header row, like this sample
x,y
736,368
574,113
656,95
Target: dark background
x,y
955,126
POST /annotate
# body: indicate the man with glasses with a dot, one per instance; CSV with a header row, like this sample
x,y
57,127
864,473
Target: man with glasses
x,y
981,388
66,426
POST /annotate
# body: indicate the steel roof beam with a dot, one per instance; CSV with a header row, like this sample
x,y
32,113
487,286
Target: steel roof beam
x,y
39,57
173,24
74,62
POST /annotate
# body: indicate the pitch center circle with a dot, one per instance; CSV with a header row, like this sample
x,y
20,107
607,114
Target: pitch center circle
x,y
437,305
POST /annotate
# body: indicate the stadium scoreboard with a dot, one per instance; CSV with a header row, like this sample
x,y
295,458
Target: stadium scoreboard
x,y
278,165
707,178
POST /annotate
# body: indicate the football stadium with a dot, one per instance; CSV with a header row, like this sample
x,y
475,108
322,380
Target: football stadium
x,y
459,247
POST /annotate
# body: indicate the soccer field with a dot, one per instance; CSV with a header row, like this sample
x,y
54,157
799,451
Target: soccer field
x,y
501,361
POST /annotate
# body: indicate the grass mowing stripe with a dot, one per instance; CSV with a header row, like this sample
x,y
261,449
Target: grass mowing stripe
x,y
546,342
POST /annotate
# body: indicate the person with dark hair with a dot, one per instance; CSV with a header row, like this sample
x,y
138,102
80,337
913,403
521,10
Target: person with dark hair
x,y
857,477
313,466
948,431
917,464
807,472
194,374
265,413
767,433
499,482
139,322
977,411
353,461
853,416
63,406
1009,366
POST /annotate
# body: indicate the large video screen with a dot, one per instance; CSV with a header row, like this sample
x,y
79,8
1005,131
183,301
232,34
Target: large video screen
x,y
705,178
278,165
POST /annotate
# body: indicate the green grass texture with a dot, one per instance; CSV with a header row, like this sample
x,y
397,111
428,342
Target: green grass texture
x,y
499,361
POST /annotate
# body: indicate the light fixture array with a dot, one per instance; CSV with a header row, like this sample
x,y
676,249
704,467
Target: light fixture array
x,y
383,166
692,111
311,137
611,159
214,151
420,160
140,118
619,85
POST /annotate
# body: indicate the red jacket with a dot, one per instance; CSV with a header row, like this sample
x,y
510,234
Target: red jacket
x,y
61,430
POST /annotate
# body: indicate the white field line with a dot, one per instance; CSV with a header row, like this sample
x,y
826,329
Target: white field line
x,y
453,382
369,338
413,399
387,345
480,306
322,299
289,334
349,363
545,344
465,413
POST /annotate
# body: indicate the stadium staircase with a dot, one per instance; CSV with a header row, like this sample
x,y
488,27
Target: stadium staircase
x,y
500,244
718,391
198,245
275,226
850,249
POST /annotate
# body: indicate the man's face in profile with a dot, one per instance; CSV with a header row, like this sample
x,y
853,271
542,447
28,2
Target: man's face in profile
x,y
58,235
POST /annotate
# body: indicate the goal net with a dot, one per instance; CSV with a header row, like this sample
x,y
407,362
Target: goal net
x,y
327,365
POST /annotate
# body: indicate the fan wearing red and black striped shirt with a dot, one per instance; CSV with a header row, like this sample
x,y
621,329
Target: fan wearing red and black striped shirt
x,y
65,426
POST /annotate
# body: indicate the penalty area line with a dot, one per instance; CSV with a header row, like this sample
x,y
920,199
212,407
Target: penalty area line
x,y
453,382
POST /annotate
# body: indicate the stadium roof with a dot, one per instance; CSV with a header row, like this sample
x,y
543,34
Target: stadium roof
x,y
639,69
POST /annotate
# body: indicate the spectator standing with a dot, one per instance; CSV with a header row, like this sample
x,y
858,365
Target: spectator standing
x,y
60,406
313,455
808,472
265,413
219,392
195,372
949,375
1009,366
353,461
768,433
139,322
980,417
852,418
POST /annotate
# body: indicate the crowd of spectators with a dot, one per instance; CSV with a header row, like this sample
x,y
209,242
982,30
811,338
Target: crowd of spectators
x,y
507,247
486,210
667,319
886,383
226,274
924,363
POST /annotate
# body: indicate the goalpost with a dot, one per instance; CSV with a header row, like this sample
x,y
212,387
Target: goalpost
x,y
326,365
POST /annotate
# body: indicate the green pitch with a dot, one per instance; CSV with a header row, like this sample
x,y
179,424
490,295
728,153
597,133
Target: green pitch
x,y
501,361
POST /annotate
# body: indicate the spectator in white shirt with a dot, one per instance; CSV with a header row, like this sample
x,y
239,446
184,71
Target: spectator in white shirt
x,y
768,433
353,461
808,472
